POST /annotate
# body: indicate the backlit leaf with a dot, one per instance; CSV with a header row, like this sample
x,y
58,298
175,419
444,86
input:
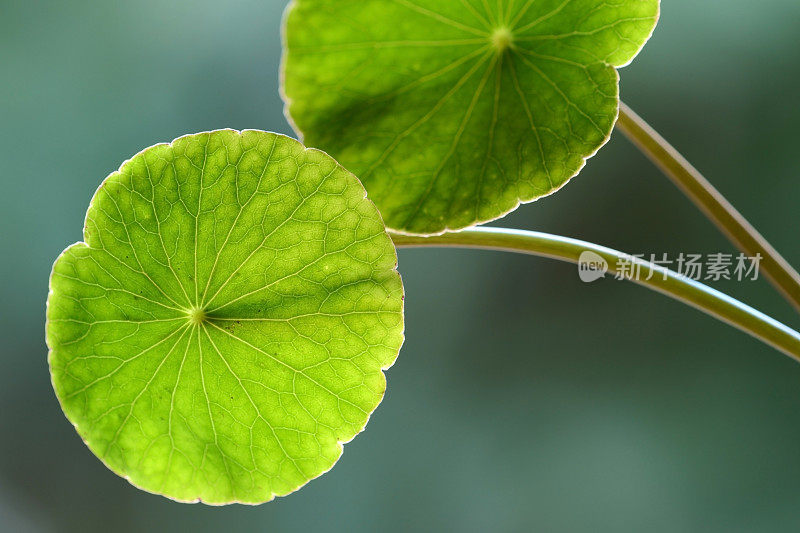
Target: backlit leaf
x,y
225,325
452,112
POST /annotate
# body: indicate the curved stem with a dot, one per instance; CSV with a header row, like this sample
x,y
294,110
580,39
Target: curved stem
x,y
738,230
660,279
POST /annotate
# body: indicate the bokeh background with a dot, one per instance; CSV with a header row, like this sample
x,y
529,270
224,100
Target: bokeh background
x,y
523,398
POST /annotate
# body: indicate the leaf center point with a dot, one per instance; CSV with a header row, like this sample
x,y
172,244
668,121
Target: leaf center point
x,y
196,315
502,39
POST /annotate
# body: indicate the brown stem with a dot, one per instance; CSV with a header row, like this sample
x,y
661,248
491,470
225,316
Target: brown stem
x,y
738,230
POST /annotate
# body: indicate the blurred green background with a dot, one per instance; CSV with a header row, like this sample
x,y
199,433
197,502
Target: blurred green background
x,y
523,398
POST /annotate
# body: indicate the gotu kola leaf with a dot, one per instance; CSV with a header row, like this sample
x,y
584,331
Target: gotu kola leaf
x,y
225,325
452,112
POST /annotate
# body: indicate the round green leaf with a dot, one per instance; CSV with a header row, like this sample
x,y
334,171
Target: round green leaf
x,y
224,327
452,112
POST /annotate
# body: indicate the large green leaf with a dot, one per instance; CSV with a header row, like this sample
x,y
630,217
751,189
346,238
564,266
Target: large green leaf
x,y
452,112
225,325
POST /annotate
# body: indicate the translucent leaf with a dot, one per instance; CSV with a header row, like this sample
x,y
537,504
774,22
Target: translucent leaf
x,y
452,112
224,328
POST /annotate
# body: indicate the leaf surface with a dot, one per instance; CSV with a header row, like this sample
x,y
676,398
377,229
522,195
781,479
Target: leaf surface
x,y
452,112
225,324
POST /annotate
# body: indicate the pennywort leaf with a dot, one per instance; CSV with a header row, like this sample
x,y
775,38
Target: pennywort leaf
x,y
224,327
452,112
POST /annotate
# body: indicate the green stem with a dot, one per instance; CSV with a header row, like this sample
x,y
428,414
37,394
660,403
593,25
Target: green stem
x,y
740,232
665,281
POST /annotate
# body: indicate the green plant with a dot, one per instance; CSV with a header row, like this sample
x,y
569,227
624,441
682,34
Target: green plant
x,y
225,324
229,313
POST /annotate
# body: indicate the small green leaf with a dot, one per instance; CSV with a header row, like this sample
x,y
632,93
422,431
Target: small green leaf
x,y
224,328
452,112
